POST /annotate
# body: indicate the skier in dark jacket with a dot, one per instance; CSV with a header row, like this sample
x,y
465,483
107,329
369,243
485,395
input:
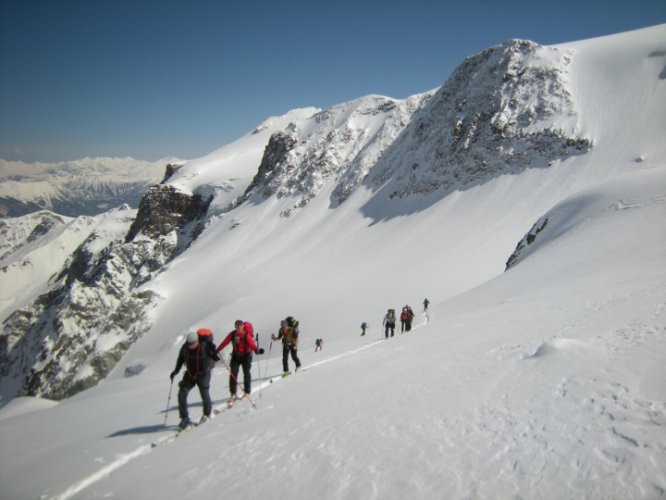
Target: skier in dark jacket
x,y
198,358
389,323
289,335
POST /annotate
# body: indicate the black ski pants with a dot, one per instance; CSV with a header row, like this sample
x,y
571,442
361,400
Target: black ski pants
x,y
238,360
185,386
389,326
286,350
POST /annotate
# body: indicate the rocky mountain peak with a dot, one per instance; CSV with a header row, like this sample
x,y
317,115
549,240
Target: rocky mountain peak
x,y
503,110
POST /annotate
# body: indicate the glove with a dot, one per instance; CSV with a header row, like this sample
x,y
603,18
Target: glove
x,y
273,337
260,350
173,374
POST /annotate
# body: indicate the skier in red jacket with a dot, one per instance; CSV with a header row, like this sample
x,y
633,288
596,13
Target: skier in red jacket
x,y
243,344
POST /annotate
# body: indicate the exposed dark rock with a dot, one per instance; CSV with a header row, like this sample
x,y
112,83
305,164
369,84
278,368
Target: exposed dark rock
x,y
527,240
164,209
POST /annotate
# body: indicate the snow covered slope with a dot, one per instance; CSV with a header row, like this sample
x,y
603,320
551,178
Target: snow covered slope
x,y
543,381
33,248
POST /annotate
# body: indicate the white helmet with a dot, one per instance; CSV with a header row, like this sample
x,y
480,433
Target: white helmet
x,y
192,337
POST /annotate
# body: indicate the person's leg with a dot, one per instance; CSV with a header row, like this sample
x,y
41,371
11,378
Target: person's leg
x,y
294,356
285,357
204,389
233,375
185,386
247,373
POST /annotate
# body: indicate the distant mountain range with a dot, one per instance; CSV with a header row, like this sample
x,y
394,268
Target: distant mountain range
x,y
88,186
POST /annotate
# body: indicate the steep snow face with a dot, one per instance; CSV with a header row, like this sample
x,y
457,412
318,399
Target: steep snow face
x,y
619,88
504,110
89,186
226,173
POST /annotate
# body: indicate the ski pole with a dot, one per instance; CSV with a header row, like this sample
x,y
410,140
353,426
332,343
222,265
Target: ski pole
x,y
259,366
268,358
166,412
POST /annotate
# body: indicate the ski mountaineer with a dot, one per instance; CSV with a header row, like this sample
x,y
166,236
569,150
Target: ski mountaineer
x,y
198,358
243,345
389,323
406,318
364,326
426,302
289,334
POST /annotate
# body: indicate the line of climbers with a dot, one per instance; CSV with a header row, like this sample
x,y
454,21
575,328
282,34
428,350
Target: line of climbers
x,y
199,355
406,319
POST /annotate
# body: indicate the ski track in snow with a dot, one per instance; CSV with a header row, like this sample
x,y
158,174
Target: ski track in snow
x,y
142,450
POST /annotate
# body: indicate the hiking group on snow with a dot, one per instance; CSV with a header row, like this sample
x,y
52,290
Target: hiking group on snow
x,y
199,355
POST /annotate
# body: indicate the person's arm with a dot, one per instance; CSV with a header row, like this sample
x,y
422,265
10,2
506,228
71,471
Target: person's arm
x,y
225,342
211,352
179,363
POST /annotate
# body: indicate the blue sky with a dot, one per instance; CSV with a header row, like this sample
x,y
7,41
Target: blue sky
x,y
157,78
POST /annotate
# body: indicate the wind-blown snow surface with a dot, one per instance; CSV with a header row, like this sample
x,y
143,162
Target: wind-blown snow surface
x,y
546,381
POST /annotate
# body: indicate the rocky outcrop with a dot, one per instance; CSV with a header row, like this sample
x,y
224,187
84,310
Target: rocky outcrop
x,y
276,163
527,240
164,209
72,336
494,116
339,144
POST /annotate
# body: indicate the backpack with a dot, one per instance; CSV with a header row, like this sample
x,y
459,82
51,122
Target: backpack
x,y
205,335
248,331
405,316
391,315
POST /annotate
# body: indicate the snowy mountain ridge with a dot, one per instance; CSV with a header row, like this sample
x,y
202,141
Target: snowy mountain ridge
x,y
88,186
502,111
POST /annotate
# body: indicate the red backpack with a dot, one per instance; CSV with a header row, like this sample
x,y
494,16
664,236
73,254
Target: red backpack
x,y
246,341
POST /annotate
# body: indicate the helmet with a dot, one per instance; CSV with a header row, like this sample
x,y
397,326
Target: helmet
x,y
192,337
